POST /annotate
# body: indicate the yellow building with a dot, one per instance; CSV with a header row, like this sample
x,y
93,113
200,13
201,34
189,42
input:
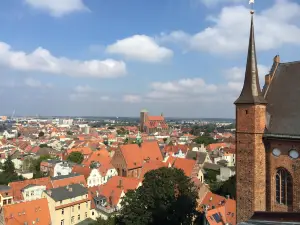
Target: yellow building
x,y
6,195
68,205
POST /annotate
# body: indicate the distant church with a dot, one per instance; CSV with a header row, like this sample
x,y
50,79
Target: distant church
x,y
268,139
152,124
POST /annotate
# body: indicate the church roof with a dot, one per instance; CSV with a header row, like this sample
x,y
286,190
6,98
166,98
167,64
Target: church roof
x,y
251,92
283,109
278,218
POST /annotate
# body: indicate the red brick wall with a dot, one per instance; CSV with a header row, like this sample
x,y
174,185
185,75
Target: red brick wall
x,y
250,160
118,162
283,161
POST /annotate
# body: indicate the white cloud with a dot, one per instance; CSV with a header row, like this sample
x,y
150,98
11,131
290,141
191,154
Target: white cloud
x,y
197,90
85,93
41,60
84,89
229,32
33,83
140,48
181,90
132,98
58,8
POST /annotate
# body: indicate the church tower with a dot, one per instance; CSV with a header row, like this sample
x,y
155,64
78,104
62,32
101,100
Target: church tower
x,y
250,150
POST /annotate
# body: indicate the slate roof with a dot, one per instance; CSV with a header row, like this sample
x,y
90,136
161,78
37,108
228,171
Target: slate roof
x,y
251,93
278,218
200,156
67,192
283,100
4,188
211,166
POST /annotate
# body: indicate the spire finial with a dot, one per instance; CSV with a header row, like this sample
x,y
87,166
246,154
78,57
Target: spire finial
x,y
251,2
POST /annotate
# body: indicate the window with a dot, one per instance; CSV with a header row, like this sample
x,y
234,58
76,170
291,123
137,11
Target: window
x,y
62,212
27,194
93,213
78,216
9,201
62,222
284,187
32,193
78,207
4,202
72,219
85,214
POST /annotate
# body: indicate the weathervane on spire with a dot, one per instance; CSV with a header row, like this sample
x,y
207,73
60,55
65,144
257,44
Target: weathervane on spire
x,y
251,2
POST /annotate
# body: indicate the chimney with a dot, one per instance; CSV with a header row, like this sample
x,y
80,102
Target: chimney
x,y
120,183
228,196
49,192
97,193
70,189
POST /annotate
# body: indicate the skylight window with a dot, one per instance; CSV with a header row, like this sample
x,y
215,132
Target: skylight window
x,y
217,217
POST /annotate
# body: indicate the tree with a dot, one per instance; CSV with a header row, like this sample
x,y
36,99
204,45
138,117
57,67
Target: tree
x,y
76,157
205,139
69,132
174,203
8,166
165,140
100,221
228,188
35,166
41,134
9,174
43,145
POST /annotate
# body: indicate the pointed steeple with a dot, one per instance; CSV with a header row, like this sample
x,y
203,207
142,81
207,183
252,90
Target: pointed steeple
x,y
251,92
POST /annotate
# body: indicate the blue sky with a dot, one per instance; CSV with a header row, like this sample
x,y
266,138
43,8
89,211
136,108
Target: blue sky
x,y
185,58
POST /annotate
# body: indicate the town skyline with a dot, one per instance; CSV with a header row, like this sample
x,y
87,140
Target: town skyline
x,y
82,71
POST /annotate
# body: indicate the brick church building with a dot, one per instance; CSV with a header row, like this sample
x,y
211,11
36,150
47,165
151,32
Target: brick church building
x,y
268,141
152,124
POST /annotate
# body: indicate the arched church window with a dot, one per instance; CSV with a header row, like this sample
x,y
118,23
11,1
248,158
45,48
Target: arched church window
x,y
284,187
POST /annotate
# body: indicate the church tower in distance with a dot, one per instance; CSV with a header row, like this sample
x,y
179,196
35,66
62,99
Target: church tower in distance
x,y
250,150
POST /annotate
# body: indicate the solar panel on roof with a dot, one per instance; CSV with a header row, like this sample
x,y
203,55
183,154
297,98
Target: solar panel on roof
x,y
217,217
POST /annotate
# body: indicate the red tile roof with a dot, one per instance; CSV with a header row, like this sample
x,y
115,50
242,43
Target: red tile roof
x,y
132,155
19,213
112,189
82,169
151,165
79,179
150,150
187,165
156,118
17,186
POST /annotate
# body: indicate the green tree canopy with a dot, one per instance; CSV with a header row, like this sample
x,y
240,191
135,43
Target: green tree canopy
x,y
9,174
75,157
166,197
41,134
228,188
205,139
100,221
8,166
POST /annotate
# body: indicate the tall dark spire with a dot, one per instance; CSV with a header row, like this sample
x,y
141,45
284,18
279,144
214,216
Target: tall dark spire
x,y
251,92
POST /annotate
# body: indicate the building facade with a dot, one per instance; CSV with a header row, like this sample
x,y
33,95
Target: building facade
x,y
152,124
268,139
68,205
